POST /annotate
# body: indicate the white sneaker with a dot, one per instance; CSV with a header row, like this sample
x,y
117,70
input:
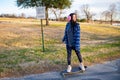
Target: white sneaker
x,y
82,66
69,68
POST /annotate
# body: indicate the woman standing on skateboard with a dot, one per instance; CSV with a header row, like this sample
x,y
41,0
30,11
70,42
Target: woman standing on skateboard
x,y
72,40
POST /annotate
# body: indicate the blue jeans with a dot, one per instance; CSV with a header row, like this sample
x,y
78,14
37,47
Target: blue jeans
x,y
69,52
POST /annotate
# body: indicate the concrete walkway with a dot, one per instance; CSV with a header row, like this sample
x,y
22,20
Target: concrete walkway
x,y
105,71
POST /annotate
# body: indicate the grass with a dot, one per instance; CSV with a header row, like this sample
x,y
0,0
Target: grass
x,y
102,57
97,47
101,31
21,50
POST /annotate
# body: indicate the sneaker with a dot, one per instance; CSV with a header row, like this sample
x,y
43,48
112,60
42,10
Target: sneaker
x,y
69,68
82,66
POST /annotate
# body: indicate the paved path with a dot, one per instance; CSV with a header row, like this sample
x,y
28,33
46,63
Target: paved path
x,y
105,71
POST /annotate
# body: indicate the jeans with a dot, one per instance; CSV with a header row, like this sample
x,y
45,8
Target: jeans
x,y
69,52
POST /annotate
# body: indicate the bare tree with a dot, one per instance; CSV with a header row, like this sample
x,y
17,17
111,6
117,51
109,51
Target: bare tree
x,y
105,15
86,10
57,12
118,10
53,10
112,11
22,15
77,13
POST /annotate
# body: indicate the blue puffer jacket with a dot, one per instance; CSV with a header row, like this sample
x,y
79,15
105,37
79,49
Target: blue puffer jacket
x,y
76,37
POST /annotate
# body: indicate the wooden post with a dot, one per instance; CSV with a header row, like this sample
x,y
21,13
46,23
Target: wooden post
x,y
42,35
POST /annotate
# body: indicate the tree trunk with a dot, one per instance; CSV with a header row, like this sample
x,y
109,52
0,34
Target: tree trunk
x,y
88,20
56,16
54,11
47,19
60,14
111,21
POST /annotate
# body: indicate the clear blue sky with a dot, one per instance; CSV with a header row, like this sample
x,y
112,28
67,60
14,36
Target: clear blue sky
x,y
97,6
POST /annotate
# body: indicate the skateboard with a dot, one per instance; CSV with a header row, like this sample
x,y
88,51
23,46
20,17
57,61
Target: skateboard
x,y
75,70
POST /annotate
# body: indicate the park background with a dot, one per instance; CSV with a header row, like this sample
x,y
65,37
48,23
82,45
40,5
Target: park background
x,y
20,36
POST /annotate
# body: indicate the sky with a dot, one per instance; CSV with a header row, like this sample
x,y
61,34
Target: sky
x,y
96,6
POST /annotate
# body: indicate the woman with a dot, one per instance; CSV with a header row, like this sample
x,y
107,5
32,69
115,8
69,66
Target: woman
x,y
72,40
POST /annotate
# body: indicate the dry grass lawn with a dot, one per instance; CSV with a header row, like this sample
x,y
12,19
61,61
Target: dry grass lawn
x,y
21,50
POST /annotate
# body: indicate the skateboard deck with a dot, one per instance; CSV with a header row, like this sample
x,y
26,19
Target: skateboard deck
x,y
75,70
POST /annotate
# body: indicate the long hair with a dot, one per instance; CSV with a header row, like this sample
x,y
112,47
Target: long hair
x,y
72,21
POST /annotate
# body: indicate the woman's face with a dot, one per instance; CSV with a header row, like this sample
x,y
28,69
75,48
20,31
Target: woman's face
x,y
74,18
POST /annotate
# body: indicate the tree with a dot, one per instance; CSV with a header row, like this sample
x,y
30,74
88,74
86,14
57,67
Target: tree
x,y
9,15
46,3
58,6
86,11
35,3
118,10
112,11
77,13
22,15
105,15
56,12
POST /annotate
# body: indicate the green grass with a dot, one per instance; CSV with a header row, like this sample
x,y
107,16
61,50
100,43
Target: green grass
x,y
56,56
52,53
